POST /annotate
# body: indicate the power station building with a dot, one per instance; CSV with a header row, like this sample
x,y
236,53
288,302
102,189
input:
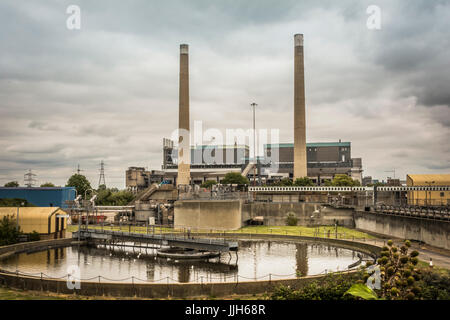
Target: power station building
x,y
212,162
324,160
197,164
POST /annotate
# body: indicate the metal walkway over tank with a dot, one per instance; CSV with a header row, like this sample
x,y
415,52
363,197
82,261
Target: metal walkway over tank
x,y
181,241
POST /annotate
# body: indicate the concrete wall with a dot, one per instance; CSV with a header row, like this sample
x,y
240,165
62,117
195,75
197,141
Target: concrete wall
x,y
308,214
156,290
35,246
205,214
432,232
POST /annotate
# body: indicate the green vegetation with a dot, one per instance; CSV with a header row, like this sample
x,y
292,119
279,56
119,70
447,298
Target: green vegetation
x,y
12,294
34,236
291,219
303,182
234,178
342,180
398,272
113,197
12,184
285,182
320,232
9,234
80,183
402,277
208,184
16,294
15,202
434,284
47,185
333,287
360,290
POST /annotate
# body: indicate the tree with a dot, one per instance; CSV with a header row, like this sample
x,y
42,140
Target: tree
x,y
12,184
285,182
80,183
343,180
9,234
234,178
47,185
15,202
208,184
113,197
303,182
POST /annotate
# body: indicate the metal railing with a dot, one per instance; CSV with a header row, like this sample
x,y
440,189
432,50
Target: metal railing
x,y
347,189
213,195
435,213
235,278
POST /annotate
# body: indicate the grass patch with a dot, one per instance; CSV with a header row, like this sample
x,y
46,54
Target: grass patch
x,y
319,232
12,294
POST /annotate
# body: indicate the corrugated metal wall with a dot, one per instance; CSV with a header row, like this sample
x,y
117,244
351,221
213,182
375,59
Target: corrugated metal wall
x,y
41,197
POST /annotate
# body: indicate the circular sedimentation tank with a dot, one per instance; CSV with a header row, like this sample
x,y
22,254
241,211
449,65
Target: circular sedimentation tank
x,y
256,260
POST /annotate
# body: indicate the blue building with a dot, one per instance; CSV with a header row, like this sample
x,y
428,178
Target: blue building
x,y
41,197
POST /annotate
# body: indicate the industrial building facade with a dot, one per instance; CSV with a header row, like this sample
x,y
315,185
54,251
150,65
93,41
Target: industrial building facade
x,y
41,197
324,160
212,162
49,222
428,198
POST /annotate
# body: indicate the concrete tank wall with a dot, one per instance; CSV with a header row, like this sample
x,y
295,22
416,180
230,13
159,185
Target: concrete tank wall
x,y
308,214
432,232
204,214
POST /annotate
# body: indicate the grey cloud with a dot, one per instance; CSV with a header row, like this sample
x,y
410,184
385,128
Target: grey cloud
x,y
110,91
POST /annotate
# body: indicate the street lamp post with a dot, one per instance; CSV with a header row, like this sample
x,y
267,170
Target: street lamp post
x,y
254,141
17,219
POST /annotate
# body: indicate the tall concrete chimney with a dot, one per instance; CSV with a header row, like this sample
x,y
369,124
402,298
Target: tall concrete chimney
x,y
299,110
184,150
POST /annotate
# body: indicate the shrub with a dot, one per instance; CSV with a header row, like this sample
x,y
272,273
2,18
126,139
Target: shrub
x,y
291,219
8,231
303,182
398,272
34,236
433,285
208,184
333,287
235,178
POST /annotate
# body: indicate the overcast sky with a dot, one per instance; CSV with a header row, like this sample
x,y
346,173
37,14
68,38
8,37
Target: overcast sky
x,y
109,91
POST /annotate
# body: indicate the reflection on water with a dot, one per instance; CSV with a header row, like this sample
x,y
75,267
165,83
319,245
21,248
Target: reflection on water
x,y
254,260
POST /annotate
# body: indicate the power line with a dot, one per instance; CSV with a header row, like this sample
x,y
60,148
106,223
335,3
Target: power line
x,y
102,174
29,179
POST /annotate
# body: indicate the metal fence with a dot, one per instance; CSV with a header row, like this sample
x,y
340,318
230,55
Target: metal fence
x,y
214,195
436,213
236,278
